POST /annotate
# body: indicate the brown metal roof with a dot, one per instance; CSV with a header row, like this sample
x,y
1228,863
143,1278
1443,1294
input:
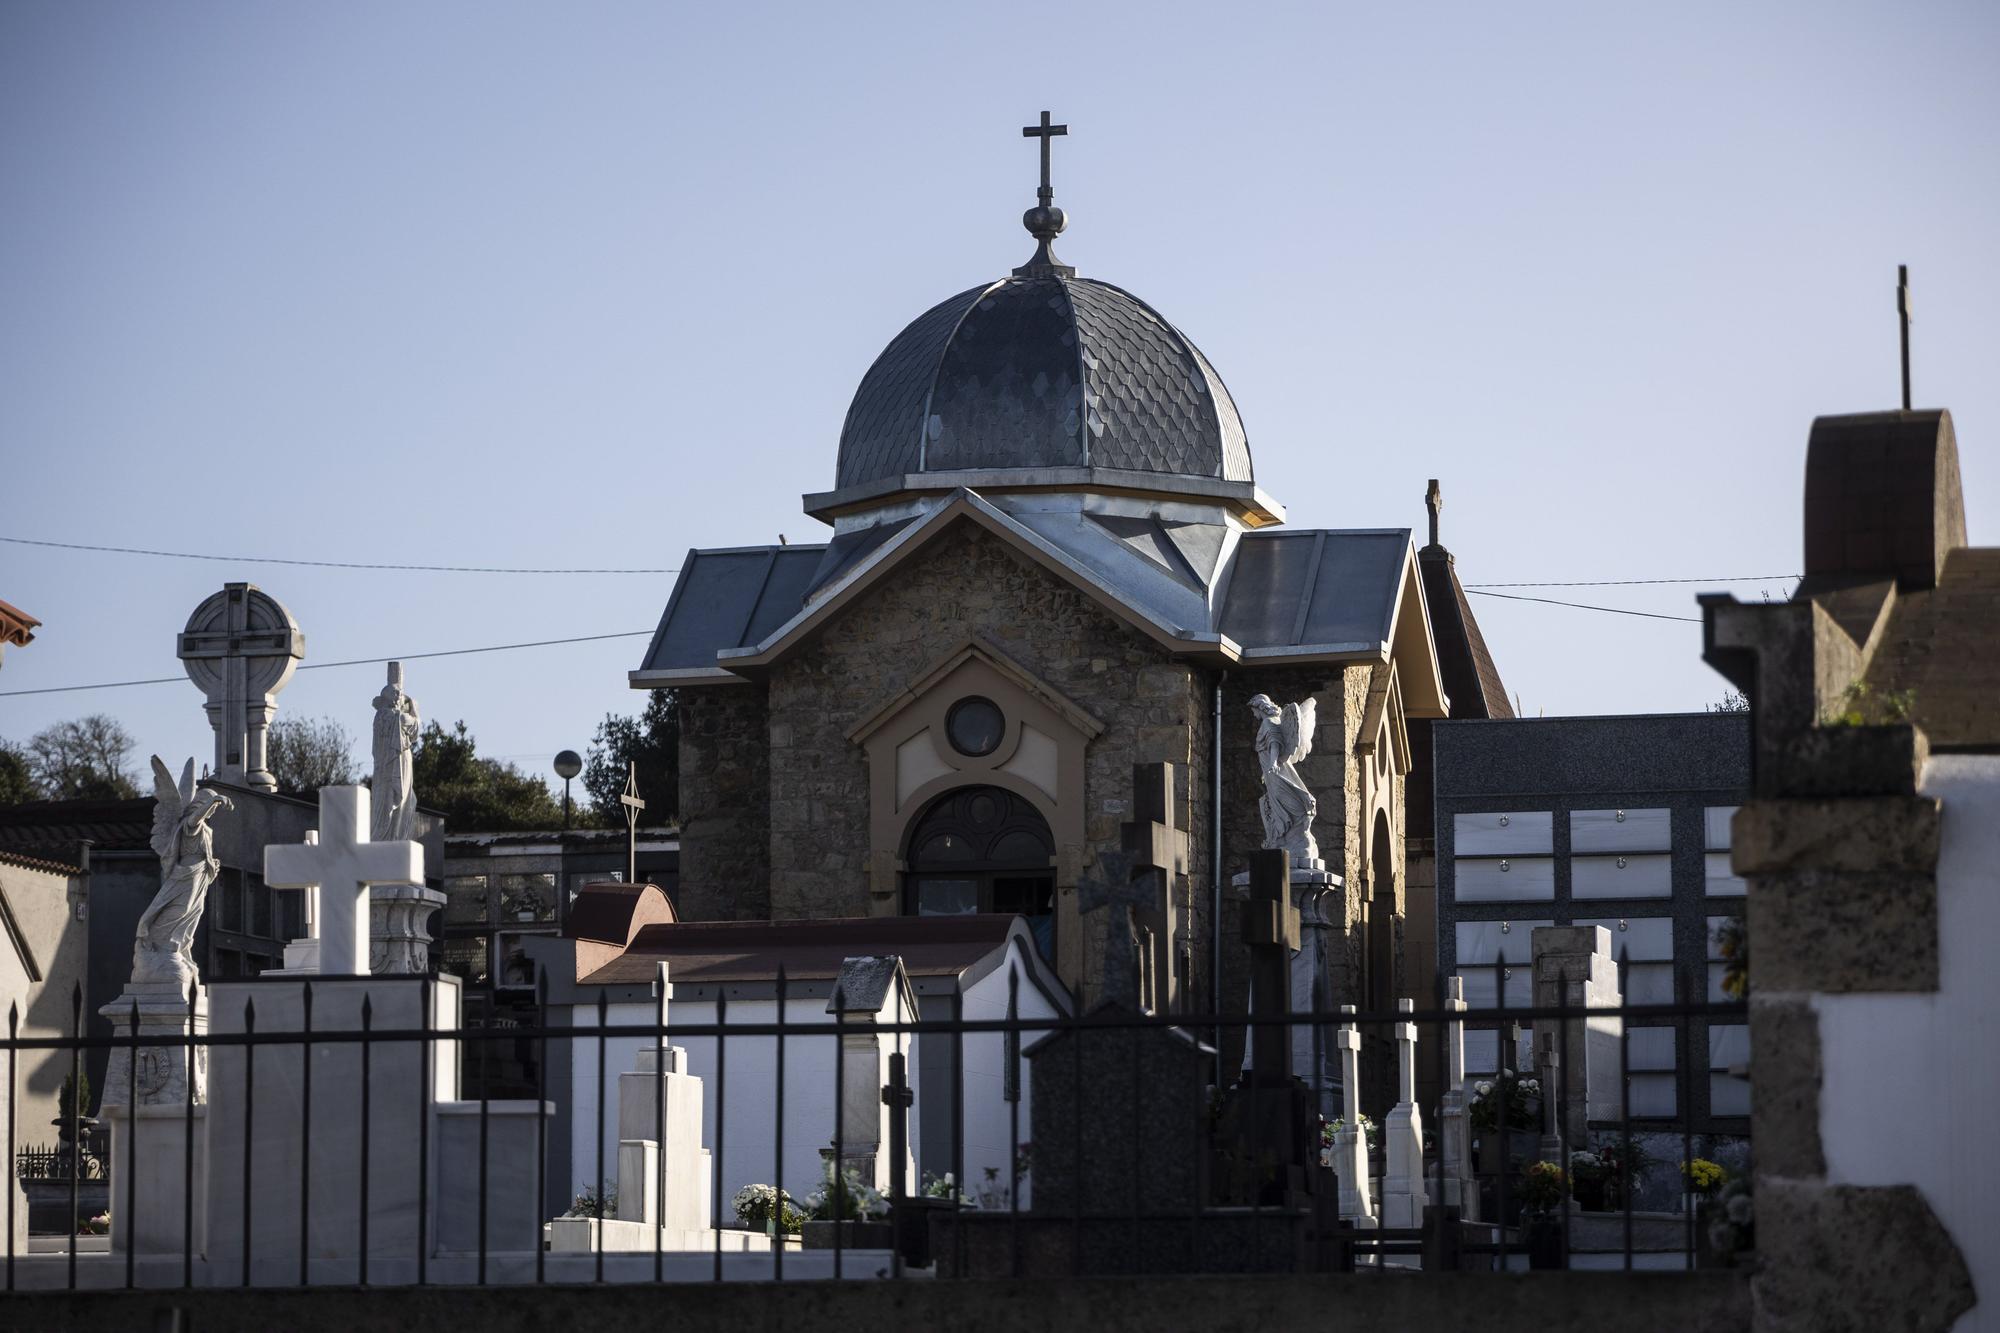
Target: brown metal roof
x,y
603,911
698,952
16,625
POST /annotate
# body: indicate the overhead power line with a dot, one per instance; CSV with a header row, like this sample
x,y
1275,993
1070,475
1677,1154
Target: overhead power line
x,y
1633,583
357,661
323,564
1583,606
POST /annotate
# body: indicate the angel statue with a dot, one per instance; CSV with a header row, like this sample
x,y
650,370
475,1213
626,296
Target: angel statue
x,y
393,790
164,948
1285,736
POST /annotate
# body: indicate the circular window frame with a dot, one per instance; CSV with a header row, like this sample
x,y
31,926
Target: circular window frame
x,y
951,726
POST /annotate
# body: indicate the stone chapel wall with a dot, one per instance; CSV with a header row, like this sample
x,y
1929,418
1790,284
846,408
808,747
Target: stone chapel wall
x,y
725,818
968,583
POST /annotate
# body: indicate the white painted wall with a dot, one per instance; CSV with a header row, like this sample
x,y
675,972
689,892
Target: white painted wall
x,y
1912,1083
987,1113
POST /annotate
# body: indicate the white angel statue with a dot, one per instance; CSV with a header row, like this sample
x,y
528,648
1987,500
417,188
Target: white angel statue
x,y
164,948
1285,736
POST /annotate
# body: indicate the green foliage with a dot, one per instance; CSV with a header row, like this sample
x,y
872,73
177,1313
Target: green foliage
x,y
652,741
1732,701
1543,1186
82,760
17,784
475,794
1865,707
307,753
67,1103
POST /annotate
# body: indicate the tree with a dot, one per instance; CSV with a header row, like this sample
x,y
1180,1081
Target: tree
x,y
82,760
1732,701
652,741
307,753
17,783
475,794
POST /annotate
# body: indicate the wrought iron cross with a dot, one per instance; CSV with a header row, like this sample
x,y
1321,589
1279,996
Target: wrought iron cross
x,y
633,805
1045,132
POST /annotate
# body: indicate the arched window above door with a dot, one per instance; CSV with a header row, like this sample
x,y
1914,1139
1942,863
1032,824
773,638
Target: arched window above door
x,y
983,849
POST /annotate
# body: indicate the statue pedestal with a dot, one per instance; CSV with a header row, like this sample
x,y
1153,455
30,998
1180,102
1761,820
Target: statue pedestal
x,y
1314,892
164,1071
399,935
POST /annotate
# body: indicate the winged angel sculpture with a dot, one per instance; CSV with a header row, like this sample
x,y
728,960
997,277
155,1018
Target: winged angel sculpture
x,y
164,948
1285,736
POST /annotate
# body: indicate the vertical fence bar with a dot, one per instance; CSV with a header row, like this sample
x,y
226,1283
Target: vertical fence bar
x,y
542,1115
131,1158
1012,1091
778,1141
485,1110
187,1143
598,1188
837,1187
1562,1093
721,1117
424,1139
1076,1145
1198,1154
367,1066
1684,1094
13,1161
305,1134
75,1118
1504,1054
658,1174
958,1124
249,1118
1625,1098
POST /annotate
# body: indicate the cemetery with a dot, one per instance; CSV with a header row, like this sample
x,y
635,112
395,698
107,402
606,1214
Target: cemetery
x,y
1086,885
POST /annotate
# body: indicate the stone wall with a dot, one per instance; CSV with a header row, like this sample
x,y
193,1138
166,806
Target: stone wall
x,y
968,582
725,804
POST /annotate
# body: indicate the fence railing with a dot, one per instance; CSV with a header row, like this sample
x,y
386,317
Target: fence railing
x,y
343,1147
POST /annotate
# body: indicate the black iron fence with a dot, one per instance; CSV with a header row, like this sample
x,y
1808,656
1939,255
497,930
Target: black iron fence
x,y
1136,1145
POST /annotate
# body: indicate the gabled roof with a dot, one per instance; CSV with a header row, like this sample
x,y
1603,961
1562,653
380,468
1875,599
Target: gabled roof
x,y
1470,676
1292,596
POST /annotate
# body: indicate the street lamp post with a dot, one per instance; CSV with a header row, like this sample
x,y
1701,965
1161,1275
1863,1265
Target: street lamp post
x,y
568,764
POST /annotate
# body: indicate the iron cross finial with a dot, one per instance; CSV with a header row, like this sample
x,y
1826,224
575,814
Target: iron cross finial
x,y
1045,132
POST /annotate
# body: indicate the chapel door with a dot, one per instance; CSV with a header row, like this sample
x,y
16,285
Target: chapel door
x,y
983,849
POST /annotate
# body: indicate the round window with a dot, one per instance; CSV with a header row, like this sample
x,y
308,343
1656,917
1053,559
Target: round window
x,y
975,726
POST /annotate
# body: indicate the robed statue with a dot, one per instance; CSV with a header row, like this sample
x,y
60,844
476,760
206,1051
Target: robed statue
x,y
393,790
1284,737
163,950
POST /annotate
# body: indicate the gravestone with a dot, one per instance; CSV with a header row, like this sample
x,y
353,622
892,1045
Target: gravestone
x,y
1158,852
240,648
1403,1190
336,866
1574,967
398,914
1458,1187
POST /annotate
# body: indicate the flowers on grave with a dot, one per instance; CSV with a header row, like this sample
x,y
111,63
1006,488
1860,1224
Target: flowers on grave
x,y
1600,1176
1543,1186
1329,1134
595,1203
849,1201
1513,1091
757,1206
996,1191
1732,1221
944,1187
97,1225
1732,946
1704,1177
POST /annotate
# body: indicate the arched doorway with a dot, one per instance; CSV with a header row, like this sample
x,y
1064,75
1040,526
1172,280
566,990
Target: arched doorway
x,y
983,849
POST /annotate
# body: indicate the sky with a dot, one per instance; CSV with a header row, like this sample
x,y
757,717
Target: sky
x,y
585,286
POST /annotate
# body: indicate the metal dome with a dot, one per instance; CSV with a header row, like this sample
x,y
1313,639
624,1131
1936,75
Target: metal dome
x,y
1041,370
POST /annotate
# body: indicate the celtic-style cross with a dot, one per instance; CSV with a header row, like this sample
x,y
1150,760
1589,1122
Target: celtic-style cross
x,y
1045,132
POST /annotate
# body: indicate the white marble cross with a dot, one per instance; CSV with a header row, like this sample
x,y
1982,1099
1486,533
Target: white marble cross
x,y
342,865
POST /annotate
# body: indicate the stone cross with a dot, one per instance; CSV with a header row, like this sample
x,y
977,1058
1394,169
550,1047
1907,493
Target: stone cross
x,y
1404,1191
633,805
1271,929
338,867
1457,1189
1106,893
1158,850
1350,1147
240,648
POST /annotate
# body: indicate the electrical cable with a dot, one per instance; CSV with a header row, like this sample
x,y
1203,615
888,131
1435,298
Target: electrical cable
x,y
1584,606
357,661
1631,583
323,564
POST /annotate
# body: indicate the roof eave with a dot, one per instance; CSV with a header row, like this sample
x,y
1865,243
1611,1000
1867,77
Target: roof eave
x,y
1245,498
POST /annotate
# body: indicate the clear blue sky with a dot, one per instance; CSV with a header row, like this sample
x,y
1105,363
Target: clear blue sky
x,y
592,284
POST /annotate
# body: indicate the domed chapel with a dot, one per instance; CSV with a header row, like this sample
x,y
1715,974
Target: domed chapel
x,y
1023,664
